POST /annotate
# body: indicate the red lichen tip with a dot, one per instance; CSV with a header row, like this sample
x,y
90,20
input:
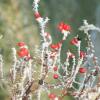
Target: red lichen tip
x,y
82,54
82,70
20,44
55,68
23,52
74,41
52,96
62,26
37,15
55,76
55,46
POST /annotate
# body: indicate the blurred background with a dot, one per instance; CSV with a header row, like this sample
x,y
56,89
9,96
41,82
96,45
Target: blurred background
x,y
17,23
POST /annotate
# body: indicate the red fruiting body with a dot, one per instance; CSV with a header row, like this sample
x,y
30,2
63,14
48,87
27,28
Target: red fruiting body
x,y
55,68
60,26
82,54
20,44
52,96
63,26
74,41
23,52
55,46
82,70
55,76
66,27
37,15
